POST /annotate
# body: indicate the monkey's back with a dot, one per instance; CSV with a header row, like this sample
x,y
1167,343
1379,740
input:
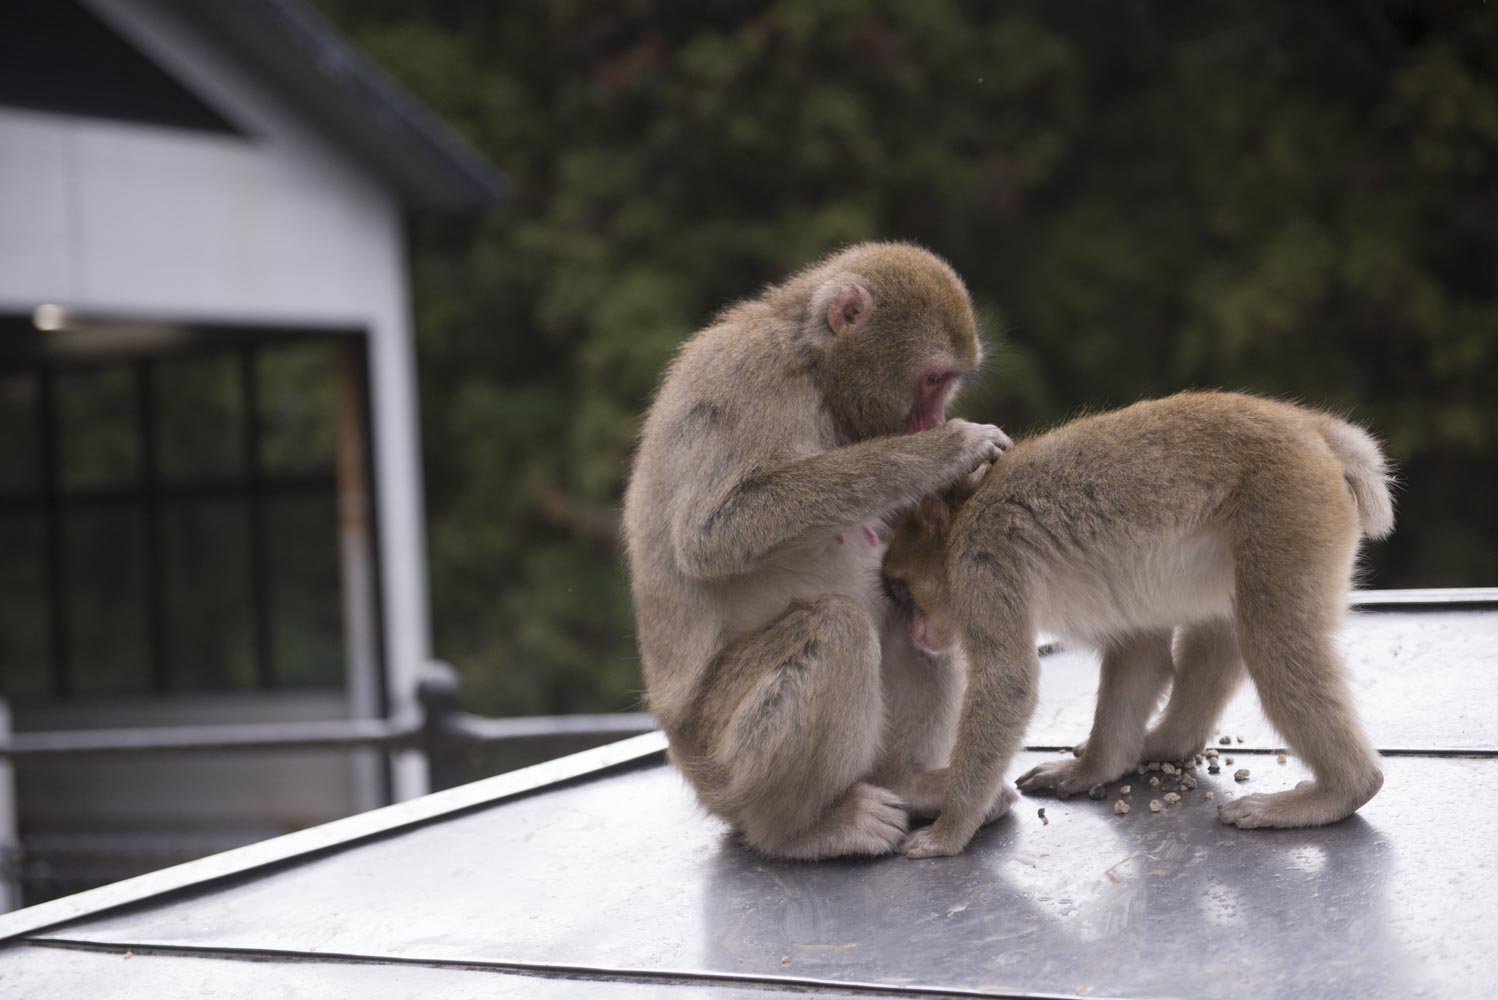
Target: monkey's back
x,y
1134,515
738,373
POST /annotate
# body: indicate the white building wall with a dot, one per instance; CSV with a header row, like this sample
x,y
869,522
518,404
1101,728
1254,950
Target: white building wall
x,y
279,228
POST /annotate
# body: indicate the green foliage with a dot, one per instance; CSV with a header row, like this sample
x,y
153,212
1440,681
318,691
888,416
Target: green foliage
x,y
1297,199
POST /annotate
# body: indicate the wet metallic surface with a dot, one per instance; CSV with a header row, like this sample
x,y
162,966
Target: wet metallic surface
x,y
1423,680
625,873
622,876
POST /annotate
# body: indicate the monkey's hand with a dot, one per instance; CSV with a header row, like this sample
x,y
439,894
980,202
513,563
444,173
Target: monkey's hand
x,y
1065,777
978,444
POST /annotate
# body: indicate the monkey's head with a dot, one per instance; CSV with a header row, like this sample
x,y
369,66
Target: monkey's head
x,y
915,573
891,335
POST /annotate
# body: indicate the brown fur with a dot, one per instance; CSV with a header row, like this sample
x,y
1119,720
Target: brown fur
x,y
1233,518
773,452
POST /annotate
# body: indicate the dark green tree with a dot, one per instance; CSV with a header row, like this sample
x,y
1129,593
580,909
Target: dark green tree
x,y
1296,199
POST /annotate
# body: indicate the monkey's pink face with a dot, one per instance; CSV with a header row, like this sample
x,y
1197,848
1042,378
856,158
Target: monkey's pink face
x,y
928,635
930,409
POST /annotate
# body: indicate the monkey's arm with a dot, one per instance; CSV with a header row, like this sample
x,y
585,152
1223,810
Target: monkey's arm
x,y
730,531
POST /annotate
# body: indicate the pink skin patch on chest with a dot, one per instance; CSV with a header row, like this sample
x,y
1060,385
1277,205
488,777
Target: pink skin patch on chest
x,y
870,534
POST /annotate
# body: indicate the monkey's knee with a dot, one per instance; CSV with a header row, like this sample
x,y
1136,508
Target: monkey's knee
x,y
838,622
811,724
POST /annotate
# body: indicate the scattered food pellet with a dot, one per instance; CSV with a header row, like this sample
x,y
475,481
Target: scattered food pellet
x,y
128,954
1154,765
1125,789
1213,769
1187,781
1212,752
1225,740
1154,781
1240,739
1168,768
1156,805
1120,807
1228,761
785,960
1241,774
1209,795
1281,758
1043,820
1097,792
1172,798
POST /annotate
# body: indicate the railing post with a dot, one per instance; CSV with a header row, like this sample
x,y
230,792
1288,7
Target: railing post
x,y
437,692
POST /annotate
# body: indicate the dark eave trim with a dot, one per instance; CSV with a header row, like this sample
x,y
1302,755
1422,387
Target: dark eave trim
x,y
300,53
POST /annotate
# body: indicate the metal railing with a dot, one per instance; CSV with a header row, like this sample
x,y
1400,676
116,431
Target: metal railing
x,y
438,729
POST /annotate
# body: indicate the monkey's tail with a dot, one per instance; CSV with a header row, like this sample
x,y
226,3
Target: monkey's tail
x,y
1367,472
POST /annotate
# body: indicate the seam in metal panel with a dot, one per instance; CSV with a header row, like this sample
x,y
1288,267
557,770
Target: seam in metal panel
x,y
552,970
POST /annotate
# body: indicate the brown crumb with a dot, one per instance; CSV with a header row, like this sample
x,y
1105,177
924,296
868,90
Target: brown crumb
x,y
1125,789
1281,758
1228,761
1156,805
1225,740
1209,795
1120,807
1172,798
1241,774
785,960
1154,781
1097,793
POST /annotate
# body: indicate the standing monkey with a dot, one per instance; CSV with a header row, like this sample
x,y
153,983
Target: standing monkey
x,y
780,439
1235,518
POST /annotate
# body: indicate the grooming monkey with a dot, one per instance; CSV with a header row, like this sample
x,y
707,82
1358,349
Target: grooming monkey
x,y
780,438
1234,518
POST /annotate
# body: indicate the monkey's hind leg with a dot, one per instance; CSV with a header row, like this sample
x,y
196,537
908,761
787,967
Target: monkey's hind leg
x,y
1134,672
1208,669
803,734
1003,675
1286,620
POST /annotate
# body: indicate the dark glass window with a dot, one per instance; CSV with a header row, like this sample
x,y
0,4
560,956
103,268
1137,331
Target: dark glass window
x,y
18,433
24,656
171,523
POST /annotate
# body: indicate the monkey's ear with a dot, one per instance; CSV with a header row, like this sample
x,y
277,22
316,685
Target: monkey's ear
x,y
934,513
850,306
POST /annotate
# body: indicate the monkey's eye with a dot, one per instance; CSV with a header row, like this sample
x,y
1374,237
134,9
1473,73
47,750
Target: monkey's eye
x,y
935,379
898,593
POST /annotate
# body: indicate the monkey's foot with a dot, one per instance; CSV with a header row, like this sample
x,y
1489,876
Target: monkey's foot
x,y
1065,777
944,839
922,793
1160,745
867,820
1308,805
